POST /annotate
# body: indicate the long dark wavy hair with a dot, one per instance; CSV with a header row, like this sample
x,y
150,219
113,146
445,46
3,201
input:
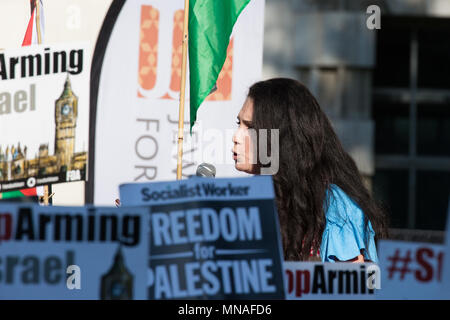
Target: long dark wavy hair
x,y
311,158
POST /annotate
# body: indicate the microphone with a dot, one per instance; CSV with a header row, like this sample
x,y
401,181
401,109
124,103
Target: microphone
x,y
206,170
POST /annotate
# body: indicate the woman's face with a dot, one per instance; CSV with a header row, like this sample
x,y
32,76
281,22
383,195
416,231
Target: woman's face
x,y
244,153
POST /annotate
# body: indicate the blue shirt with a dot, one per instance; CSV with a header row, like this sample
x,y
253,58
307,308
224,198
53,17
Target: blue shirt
x,y
344,233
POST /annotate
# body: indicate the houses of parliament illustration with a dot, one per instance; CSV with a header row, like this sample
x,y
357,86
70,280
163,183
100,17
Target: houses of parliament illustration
x,y
14,164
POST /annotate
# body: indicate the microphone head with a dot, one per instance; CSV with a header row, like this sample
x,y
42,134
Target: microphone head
x,y
206,170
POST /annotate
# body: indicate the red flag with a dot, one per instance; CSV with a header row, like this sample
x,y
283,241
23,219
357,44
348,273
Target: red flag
x,y
35,29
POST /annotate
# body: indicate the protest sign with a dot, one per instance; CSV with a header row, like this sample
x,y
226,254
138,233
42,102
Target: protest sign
x,y
445,288
44,115
326,280
211,238
72,252
410,270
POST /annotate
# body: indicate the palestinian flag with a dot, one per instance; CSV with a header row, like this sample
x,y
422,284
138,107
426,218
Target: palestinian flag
x,y
31,192
35,29
210,25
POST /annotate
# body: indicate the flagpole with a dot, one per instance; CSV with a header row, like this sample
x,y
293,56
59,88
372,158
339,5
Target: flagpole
x,y
38,21
45,196
182,90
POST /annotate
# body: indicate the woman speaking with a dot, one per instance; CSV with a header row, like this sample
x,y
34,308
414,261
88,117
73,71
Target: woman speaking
x,y
323,206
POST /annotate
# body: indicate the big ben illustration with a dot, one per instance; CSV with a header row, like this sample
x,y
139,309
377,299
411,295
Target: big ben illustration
x,y
15,163
117,283
66,112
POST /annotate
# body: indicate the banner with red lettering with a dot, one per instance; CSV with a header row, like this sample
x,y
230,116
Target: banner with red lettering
x,y
445,289
135,86
410,270
331,281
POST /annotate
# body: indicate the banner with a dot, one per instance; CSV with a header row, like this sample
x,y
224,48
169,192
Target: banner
x,y
211,238
72,252
445,289
135,85
44,115
331,281
410,270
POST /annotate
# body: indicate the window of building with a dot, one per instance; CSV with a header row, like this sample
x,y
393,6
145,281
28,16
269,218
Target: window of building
x,y
411,111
